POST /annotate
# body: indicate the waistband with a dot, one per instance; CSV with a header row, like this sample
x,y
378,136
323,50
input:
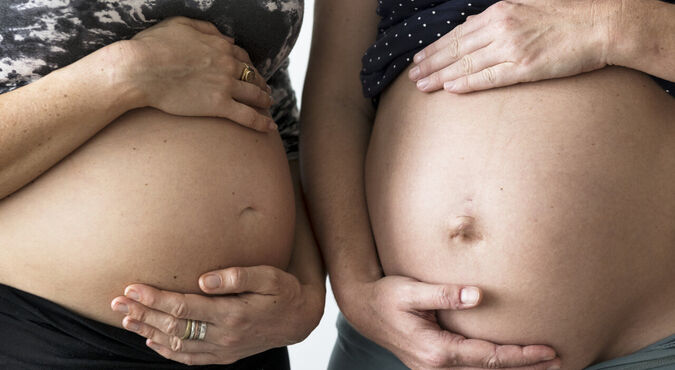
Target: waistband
x,y
39,334
660,355
356,348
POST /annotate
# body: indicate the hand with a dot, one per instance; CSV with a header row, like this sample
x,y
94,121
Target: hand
x,y
186,67
399,314
516,41
255,309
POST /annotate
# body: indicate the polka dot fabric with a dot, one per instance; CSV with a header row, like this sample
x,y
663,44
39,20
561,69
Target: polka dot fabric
x,y
407,26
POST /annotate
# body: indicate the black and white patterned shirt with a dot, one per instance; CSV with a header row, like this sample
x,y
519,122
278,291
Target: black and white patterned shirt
x,y
39,36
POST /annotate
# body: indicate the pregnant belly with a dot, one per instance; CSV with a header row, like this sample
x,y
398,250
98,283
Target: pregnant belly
x,y
154,199
557,198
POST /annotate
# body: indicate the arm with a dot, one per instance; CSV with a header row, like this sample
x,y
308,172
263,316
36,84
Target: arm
x,y
532,40
396,312
252,309
43,122
642,36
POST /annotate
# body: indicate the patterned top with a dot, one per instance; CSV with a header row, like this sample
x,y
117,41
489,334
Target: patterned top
x,y
39,36
408,26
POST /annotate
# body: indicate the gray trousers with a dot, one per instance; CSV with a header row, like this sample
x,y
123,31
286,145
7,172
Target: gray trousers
x,y
353,351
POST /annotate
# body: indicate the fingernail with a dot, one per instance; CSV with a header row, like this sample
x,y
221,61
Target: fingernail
x,y
132,325
469,295
448,85
121,307
151,344
132,294
422,84
272,126
419,57
212,281
415,73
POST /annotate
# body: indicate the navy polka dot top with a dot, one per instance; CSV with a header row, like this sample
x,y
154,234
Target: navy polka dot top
x,y
408,26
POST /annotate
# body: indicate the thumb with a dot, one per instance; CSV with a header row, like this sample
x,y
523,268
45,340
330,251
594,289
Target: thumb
x,y
426,297
234,280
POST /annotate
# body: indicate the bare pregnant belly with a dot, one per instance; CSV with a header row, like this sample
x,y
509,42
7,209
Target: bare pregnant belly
x,y
154,199
557,198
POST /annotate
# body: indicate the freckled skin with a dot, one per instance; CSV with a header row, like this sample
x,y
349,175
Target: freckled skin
x,y
569,226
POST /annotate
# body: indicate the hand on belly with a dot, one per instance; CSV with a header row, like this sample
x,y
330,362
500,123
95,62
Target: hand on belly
x,y
554,204
153,199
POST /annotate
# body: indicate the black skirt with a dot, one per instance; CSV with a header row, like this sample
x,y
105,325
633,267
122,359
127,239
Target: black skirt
x,y
39,334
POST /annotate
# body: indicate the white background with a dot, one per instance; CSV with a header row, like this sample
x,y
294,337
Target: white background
x,y
314,352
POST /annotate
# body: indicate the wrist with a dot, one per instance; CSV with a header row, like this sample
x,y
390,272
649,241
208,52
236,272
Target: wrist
x,y
625,30
122,66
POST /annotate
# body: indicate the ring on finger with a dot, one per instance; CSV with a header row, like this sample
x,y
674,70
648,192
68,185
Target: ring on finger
x,y
247,74
188,329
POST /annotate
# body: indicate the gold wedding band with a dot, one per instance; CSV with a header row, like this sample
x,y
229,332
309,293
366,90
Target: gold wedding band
x,y
188,329
248,74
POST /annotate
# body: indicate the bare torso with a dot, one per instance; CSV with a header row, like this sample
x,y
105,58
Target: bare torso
x,y
557,198
155,199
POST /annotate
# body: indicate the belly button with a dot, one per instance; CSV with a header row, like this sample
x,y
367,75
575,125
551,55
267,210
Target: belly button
x,y
464,228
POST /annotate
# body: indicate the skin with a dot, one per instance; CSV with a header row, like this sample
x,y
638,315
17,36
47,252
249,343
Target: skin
x,y
40,124
334,141
556,198
157,70
247,302
509,43
397,312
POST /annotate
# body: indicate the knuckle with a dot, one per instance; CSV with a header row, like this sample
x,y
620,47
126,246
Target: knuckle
x,y
444,297
176,344
235,319
467,64
171,325
435,358
229,340
180,310
147,331
489,76
235,276
492,361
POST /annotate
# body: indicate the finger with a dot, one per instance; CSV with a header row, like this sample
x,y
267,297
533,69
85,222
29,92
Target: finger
x,y
182,306
246,116
251,94
161,321
258,79
207,28
446,57
176,344
500,75
257,279
465,66
423,296
184,358
482,354
452,39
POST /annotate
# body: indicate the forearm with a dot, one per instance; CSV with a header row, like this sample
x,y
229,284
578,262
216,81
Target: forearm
x,y
306,263
642,36
333,166
43,122
336,123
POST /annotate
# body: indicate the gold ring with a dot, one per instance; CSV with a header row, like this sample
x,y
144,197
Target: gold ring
x,y
248,74
187,330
